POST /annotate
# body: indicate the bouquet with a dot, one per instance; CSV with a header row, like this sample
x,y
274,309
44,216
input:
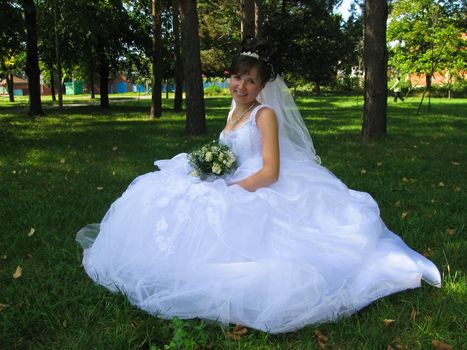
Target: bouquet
x,y
213,159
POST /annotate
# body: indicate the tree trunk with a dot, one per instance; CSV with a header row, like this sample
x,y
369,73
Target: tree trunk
x,y
156,102
58,59
282,39
91,80
91,69
32,58
258,18
428,89
104,80
195,113
178,100
248,18
375,65
59,83
52,84
10,87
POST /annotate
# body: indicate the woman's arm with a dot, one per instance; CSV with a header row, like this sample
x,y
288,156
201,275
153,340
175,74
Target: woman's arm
x,y
269,173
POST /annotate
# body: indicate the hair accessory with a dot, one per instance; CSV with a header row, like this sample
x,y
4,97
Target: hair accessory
x,y
251,54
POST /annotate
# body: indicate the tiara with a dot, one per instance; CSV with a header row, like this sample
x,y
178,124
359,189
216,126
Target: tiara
x,y
251,54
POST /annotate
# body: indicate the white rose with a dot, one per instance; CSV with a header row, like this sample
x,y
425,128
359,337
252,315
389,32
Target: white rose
x,y
208,156
216,168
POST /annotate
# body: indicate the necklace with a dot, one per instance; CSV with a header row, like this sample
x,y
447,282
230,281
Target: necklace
x,y
235,122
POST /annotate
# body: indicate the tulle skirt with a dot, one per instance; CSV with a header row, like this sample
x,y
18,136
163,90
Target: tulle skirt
x,y
304,250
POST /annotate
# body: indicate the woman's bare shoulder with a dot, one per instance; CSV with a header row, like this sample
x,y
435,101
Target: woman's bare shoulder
x,y
265,113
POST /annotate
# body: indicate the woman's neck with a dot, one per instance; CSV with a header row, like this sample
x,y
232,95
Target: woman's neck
x,y
244,106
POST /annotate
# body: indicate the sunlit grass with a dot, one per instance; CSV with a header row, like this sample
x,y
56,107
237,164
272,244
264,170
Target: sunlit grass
x,y
62,171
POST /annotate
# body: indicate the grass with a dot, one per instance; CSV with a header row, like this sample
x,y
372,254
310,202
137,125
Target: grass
x,y
62,171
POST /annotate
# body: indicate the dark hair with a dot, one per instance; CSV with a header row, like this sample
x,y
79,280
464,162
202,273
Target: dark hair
x,y
243,63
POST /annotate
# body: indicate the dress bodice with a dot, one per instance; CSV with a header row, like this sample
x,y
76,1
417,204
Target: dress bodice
x,y
245,140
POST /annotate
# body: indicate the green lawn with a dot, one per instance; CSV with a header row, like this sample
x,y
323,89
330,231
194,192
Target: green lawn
x,y
62,171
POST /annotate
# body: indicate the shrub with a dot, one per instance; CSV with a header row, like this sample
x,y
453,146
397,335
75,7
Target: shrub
x,y
213,90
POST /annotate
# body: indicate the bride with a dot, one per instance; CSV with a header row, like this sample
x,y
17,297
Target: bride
x,y
279,244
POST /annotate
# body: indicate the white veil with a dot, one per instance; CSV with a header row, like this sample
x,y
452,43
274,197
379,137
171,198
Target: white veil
x,y
294,139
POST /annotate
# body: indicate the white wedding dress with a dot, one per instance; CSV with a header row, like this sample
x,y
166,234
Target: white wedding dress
x,y
304,250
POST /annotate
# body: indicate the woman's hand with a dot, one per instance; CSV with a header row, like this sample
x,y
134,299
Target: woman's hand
x,y
269,173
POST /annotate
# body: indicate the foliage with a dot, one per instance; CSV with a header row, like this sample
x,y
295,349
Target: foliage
x,y
186,335
308,39
425,37
213,90
350,67
219,31
214,62
12,48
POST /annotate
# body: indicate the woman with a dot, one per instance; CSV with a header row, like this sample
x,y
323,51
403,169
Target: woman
x,y
279,244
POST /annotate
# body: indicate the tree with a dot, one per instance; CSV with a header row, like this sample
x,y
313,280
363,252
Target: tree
x,y
219,32
156,101
425,38
103,32
258,18
195,118
351,59
11,43
32,58
178,99
375,66
308,39
248,17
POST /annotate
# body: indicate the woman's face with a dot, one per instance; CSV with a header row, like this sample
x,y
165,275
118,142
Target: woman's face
x,y
245,87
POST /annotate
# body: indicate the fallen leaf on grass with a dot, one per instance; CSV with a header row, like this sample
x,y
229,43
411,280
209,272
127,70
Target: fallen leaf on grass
x,y
322,339
237,332
387,322
18,273
114,148
441,184
4,257
457,189
379,163
405,179
428,253
31,232
3,306
62,160
99,188
113,173
440,345
451,231
363,171
65,323
389,347
404,214
397,204
455,163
